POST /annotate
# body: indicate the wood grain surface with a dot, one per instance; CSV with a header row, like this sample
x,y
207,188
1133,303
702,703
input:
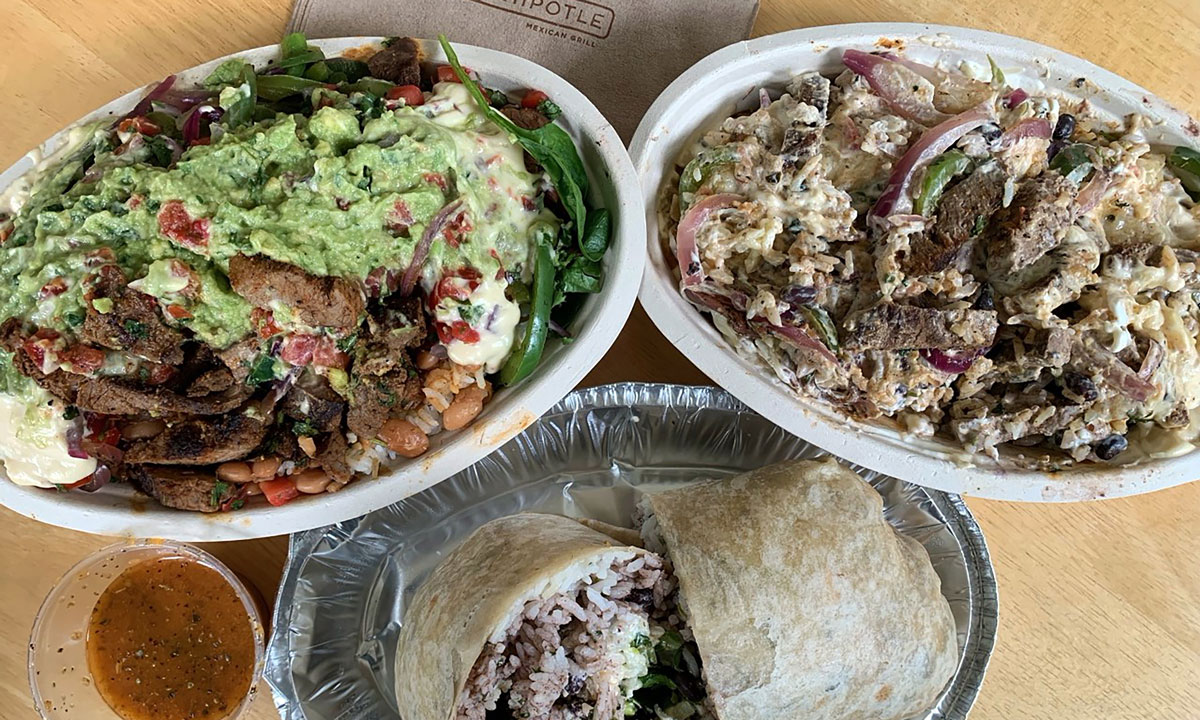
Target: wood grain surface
x,y
1100,602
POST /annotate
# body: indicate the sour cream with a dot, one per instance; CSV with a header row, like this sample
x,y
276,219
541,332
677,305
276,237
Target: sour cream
x,y
33,445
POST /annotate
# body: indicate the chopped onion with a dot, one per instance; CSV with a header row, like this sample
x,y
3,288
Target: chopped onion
x,y
1150,363
421,251
191,124
685,235
893,82
1015,98
949,361
934,142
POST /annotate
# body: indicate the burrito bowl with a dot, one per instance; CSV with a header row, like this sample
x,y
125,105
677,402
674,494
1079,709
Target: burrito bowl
x,y
964,252
296,266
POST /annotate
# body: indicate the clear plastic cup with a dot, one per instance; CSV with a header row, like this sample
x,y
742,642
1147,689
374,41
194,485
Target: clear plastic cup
x,y
58,670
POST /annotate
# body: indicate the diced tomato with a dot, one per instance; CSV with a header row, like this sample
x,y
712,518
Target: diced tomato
x,y
82,359
159,374
436,179
280,490
326,354
297,350
178,312
445,73
101,429
451,286
57,286
457,229
533,98
202,141
528,203
175,223
401,218
134,202
410,94
78,483
40,348
458,330
264,320
5,231
138,124
99,256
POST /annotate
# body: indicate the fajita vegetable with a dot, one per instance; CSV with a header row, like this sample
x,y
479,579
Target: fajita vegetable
x,y
948,254
781,593
273,282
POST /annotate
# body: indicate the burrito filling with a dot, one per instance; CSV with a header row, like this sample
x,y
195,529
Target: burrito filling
x,y
610,645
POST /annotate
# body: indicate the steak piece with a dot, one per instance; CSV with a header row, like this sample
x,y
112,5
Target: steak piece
x,y
239,356
61,384
391,330
181,488
332,458
311,399
399,62
802,137
894,327
961,215
206,441
317,301
111,396
218,379
522,117
375,398
133,324
1025,230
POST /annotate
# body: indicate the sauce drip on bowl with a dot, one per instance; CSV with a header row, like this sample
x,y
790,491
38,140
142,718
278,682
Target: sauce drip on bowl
x,y
169,639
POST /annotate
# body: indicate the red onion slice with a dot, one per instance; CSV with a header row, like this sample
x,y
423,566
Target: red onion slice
x,y
685,235
1150,363
143,105
1027,128
1089,197
799,338
421,251
97,480
1015,98
74,439
934,142
893,82
949,361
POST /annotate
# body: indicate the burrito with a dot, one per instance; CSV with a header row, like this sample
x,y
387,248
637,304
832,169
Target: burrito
x,y
781,593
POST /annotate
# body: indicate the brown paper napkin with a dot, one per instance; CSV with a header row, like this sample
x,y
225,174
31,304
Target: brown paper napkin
x,y
620,53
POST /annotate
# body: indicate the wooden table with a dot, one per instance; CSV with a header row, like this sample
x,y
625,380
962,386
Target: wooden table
x,y
1100,602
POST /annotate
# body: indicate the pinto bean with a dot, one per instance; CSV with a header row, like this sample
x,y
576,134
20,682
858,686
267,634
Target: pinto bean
x,y
311,481
235,472
264,468
466,405
142,429
404,438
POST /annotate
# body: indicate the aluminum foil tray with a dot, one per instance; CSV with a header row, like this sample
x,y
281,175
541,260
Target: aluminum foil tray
x,y
343,593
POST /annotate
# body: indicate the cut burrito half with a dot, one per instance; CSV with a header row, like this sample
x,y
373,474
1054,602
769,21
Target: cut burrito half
x,y
781,593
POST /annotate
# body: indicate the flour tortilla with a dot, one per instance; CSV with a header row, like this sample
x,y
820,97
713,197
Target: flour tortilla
x,y
478,591
803,600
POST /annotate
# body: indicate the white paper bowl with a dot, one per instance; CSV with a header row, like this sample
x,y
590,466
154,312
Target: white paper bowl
x,y
118,510
727,80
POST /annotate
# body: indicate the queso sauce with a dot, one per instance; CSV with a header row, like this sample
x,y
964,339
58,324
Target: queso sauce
x,y
170,640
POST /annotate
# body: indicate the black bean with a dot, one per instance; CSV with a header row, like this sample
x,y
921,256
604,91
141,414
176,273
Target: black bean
x,y
991,132
772,177
1110,447
986,299
1081,385
641,596
1053,148
574,685
798,294
1065,127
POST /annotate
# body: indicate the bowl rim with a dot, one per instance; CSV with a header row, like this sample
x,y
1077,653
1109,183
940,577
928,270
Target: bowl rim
x,y
878,448
164,548
123,512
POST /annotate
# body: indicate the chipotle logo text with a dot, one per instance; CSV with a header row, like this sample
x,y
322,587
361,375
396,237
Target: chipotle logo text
x,y
580,15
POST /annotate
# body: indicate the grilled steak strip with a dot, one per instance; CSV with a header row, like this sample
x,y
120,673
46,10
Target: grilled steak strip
x,y
895,327
181,488
134,323
961,215
317,301
1025,230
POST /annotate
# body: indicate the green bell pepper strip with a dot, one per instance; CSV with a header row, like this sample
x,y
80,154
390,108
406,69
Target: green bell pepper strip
x,y
820,321
525,358
1073,162
699,170
941,171
277,87
1185,163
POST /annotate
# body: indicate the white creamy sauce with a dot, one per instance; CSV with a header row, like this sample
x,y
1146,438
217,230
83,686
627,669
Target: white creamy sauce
x,y
495,319
33,445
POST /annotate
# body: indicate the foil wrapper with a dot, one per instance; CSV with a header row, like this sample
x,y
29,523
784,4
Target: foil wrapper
x,y
342,597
